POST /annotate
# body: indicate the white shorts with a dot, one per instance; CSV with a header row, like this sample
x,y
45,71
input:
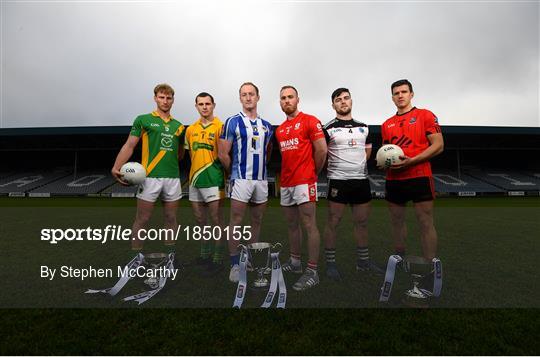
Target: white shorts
x,y
243,190
207,194
169,189
296,195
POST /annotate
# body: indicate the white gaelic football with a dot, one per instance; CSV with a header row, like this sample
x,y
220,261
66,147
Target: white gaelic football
x,y
388,155
133,173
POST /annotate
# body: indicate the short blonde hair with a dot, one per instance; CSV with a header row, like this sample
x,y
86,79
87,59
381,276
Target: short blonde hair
x,y
164,88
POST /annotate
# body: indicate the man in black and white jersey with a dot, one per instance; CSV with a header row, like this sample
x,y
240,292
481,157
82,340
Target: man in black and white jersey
x,y
349,148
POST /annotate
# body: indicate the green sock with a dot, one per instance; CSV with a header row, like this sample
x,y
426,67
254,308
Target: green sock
x,y
218,254
206,249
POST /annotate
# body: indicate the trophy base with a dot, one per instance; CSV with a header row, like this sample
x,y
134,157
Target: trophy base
x,y
153,283
260,284
415,301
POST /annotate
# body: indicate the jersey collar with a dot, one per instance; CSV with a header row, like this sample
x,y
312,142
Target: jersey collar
x,y
156,114
199,121
413,108
243,115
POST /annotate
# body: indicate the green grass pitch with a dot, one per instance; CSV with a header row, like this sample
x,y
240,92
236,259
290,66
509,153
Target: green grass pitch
x,y
488,247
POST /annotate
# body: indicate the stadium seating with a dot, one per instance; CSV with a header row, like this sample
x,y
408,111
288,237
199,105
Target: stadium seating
x,y
450,182
513,182
118,190
18,184
471,182
85,183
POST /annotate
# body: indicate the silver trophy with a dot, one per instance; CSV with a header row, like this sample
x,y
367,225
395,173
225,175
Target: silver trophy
x,y
418,269
156,262
260,262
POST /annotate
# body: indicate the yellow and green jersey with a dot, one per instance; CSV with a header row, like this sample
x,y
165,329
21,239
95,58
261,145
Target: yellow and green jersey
x,y
202,141
160,142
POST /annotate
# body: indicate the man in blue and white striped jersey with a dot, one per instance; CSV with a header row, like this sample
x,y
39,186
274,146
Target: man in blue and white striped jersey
x,y
244,150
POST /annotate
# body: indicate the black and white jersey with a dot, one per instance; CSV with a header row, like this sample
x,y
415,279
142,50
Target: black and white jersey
x,y
347,142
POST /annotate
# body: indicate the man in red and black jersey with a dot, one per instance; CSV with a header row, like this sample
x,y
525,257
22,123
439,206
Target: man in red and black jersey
x,y
418,133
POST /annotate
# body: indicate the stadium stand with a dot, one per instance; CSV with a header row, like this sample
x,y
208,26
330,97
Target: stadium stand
x,y
85,183
19,184
450,182
118,190
515,183
476,161
3,175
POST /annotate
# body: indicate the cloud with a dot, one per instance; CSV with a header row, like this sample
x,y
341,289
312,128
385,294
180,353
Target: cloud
x,y
96,63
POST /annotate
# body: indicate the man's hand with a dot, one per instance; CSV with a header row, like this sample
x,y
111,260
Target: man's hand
x,y
404,163
118,176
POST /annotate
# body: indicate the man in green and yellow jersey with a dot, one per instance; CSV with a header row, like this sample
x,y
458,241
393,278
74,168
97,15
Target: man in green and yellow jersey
x,y
162,136
206,179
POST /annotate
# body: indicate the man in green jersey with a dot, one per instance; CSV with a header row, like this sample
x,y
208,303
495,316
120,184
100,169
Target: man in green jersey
x,y
161,136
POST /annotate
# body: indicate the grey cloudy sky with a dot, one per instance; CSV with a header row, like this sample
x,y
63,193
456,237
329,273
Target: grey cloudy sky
x,y
96,62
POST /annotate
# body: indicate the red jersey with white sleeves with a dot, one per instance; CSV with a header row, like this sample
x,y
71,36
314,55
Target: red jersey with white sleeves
x,y
295,137
410,131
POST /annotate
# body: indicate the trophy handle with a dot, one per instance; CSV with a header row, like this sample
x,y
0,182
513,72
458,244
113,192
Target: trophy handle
x,y
277,247
241,247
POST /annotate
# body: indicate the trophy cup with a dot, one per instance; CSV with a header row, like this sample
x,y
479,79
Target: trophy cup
x,y
155,262
418,269
259,258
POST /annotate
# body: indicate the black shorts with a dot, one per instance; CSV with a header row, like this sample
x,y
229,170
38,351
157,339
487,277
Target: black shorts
x,y
352,192
417,189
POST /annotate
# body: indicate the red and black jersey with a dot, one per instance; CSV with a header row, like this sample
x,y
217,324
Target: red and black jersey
x,y
410,131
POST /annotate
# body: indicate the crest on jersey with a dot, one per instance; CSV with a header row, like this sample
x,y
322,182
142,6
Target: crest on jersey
x,y
297,126
361,130
412,121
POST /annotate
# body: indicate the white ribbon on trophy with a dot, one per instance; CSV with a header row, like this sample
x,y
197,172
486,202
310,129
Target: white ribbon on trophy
x,y
242,281
386,289
276,281
129,268
437,279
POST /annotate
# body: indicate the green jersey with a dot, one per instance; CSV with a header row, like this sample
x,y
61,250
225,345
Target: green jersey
x,y
160,140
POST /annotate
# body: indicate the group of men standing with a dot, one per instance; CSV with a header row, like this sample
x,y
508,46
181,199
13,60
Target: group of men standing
x,y
240,149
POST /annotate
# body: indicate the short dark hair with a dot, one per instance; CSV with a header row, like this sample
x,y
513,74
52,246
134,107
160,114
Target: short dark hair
x,y
204,94
249,84
287,87
338,92
400,83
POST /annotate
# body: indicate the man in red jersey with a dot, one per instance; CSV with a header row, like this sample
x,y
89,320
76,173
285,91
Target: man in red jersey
x,y
418,133
303,151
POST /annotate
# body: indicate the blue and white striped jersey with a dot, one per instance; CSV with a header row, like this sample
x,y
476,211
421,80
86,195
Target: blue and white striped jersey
x,y
249,141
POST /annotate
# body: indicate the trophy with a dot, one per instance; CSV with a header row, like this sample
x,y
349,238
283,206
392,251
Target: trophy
x,y
163,266
418,269
155,262
262,259
259,258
